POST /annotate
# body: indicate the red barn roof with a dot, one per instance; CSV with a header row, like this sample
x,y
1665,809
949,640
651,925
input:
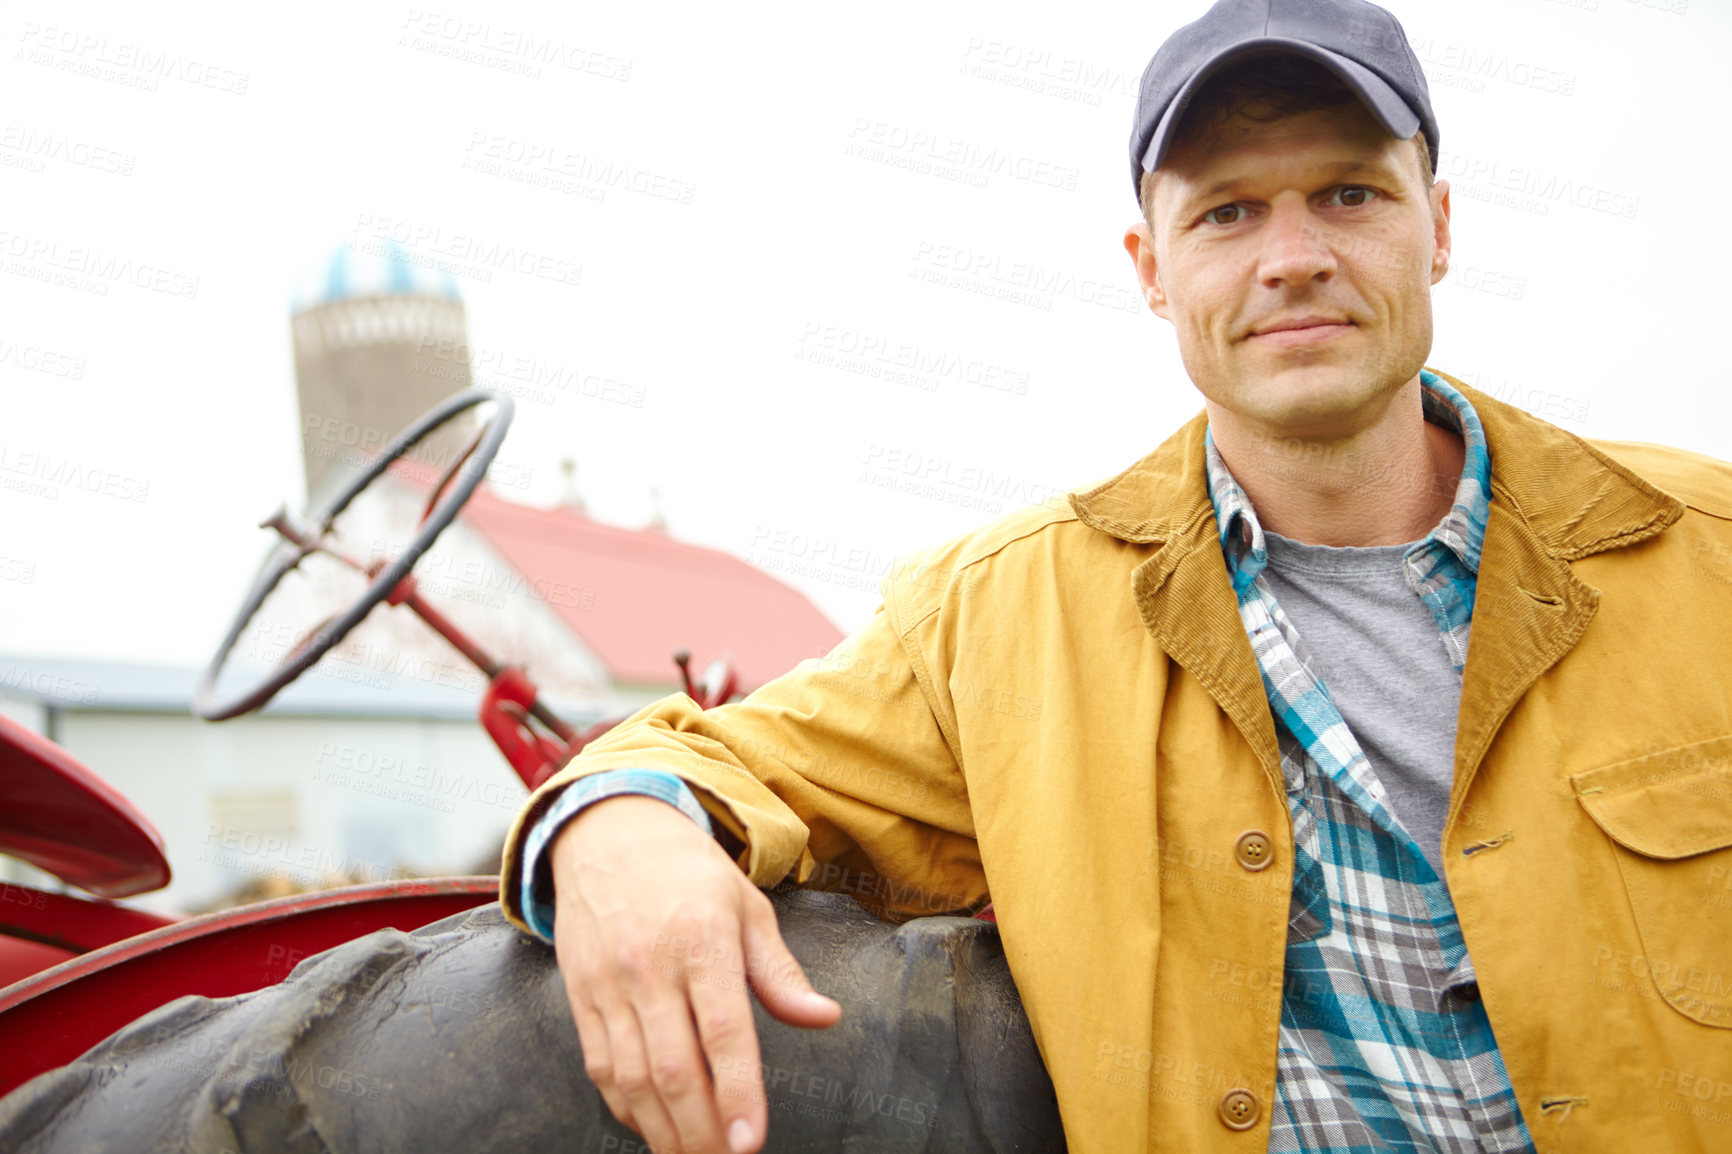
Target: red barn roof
x,y
637,595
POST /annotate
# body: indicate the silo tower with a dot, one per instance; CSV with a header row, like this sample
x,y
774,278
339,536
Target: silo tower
x,y
381,340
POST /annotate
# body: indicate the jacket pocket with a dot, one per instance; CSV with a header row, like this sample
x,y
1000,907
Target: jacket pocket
x,y
1670,815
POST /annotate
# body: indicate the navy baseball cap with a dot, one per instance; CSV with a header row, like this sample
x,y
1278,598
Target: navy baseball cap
x,y
1358,41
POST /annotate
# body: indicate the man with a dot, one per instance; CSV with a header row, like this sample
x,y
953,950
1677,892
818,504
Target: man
x,y
1350,773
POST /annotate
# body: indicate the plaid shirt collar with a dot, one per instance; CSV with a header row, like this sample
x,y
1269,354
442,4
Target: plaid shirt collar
x,y
1441,568
1460,534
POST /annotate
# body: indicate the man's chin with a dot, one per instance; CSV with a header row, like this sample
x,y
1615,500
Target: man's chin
x,y
1324,402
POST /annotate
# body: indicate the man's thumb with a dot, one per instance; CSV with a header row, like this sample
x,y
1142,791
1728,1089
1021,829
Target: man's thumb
x,y
777,978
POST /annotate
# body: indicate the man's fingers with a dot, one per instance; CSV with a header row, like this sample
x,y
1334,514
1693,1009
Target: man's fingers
x,y
678,1075
778,979
598,1056
631,1075
581,970
723,1011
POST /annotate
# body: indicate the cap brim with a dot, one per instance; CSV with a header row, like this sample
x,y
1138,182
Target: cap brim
x,y
1377,95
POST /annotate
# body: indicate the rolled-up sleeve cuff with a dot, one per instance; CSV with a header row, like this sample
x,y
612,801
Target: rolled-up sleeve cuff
x,y
537,892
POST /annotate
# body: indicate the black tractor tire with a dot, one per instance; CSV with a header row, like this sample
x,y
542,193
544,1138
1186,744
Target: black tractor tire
x,y
458,1038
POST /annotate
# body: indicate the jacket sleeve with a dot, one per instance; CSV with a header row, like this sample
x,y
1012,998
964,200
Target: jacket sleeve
x,y
837,775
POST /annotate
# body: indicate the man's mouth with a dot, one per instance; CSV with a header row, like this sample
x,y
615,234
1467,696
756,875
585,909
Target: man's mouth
x,y
1302,331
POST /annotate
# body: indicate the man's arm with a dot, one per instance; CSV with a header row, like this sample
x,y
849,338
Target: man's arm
x,y
841,774
536,890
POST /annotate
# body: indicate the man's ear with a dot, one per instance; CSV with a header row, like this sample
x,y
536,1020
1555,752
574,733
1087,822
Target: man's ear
x,y
1141,246
1440,230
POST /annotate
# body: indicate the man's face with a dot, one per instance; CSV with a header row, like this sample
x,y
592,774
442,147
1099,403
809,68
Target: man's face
x,y
1318,216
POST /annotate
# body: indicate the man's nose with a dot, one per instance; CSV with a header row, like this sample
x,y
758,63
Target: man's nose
x,y
1296,250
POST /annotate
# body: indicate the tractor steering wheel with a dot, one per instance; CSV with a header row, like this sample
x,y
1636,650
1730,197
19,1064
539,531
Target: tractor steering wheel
x,y
453,488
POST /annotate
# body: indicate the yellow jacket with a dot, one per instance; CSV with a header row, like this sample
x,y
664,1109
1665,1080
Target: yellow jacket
x,y
1064,702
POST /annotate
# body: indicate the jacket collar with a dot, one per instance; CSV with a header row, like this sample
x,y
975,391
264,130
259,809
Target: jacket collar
x,y
1576,500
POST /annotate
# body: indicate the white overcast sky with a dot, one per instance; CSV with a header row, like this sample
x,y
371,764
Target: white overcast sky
x,y
774,216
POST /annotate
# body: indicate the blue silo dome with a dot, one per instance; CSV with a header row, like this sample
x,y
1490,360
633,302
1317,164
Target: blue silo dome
x,y
369,267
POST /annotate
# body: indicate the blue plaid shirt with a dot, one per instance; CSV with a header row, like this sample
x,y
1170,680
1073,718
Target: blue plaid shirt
x,y
1384,1044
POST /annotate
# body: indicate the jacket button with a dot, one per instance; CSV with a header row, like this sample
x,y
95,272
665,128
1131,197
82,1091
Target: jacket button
x,y
1254,850
1239,1109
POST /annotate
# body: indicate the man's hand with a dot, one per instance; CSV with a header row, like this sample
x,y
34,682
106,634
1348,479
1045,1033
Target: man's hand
x,y
658,935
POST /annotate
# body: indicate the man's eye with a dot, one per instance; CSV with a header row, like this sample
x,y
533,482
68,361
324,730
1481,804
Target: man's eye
x,y
1356,196
1209,216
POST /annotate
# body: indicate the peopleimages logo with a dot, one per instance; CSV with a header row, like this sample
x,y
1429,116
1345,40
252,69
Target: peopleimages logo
x,y
1040,70
492,365
1544,189
948,474
519,50
1015,281
40,360
54,472
901,362
881,141
551,160
136,65
42,257
37,148
462,254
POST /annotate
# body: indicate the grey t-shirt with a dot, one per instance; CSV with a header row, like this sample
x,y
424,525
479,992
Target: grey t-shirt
x,y
1377,650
